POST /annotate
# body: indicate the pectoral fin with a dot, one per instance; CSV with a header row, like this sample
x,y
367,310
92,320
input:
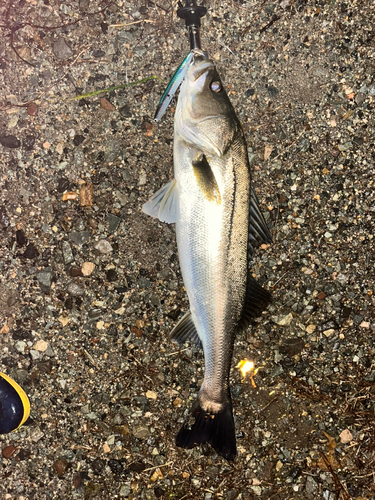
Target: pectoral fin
x,y
164,203
206,180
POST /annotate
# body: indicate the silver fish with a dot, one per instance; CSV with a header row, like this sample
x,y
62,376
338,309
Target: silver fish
x,y
217,217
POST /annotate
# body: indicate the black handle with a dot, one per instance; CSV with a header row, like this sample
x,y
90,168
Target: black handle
x,y
192,14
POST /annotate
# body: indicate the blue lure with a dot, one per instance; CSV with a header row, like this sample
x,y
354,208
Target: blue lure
x,y
173,86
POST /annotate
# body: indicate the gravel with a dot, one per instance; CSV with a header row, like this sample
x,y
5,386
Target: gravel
x,y
90,286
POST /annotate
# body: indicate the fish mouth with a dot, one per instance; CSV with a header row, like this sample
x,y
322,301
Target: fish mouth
x,y
203,65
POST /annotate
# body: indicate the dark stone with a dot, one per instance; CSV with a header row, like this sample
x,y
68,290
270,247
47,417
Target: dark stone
x,y
98,54
78,139
75,271
144,282
159,492
113,222
272,91
60,466
291,347
24,454
9,141
62,185
21,334
31,251
45,366
111,275
137,467
21,238
77,480
115,466
125,111
98,465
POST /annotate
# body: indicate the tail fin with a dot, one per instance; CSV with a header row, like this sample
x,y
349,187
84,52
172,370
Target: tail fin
x,y
217,429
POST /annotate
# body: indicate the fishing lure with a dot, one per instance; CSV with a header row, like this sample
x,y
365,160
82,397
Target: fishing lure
x,y
14,405
173,85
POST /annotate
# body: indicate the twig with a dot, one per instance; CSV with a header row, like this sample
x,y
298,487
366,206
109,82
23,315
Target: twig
x,y
157,467
290,145
269,24
91,359
270,402
118,25
276,282
338,485
179,350
226,47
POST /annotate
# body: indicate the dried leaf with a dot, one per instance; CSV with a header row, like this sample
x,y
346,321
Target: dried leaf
x,y
85,195
105,104
331,445
70,195
267,151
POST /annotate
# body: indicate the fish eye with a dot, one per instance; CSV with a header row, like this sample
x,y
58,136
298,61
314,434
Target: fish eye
x,y
216,87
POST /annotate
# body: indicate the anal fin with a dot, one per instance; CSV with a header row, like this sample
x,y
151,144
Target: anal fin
x,y
185,330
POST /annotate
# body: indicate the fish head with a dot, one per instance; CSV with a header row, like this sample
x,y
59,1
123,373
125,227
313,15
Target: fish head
x,y
205,117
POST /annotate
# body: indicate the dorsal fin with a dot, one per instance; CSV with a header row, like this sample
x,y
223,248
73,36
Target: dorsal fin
x,y
185,330
257,224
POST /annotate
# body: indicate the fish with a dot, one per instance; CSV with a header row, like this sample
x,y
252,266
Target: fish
x,y
213,204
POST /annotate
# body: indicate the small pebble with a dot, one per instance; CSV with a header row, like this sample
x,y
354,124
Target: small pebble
x,y
87,268
67,252
346,436
103,246
60,466
8,451
157,475
40,345
45,279
141,431
61,49
32,109
75,290
80,237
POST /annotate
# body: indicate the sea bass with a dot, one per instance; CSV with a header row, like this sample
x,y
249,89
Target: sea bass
x,y
216,212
